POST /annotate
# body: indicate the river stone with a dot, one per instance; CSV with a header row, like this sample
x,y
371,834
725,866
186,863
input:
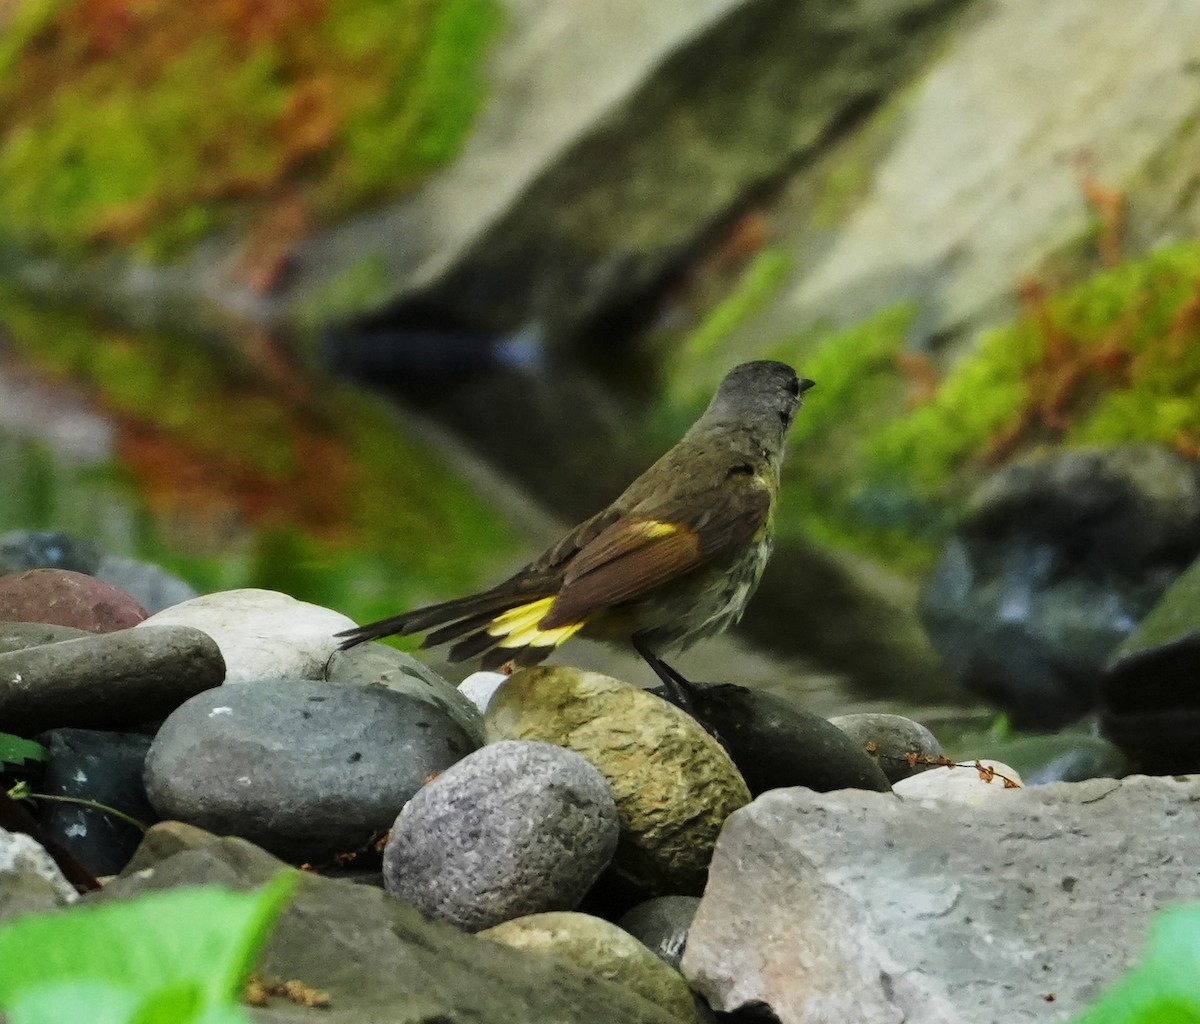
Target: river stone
x,y
967,783
112,681
262,634
30,881
819,906
47,549
101,768
662,924
479,687
151,585
512,829
17,636
1151,689
776,743
1057,559
598,946
900,746
379,960
378,663
67,598
673,783
306,769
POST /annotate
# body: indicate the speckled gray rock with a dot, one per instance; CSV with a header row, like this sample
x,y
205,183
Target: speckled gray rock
x,y
378,663
819,906
900,746
30,881
673,783
604,949
262,634
662,924
513,829
107,681
306,769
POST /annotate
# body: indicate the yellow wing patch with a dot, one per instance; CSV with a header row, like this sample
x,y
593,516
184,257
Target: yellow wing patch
x,y
518,627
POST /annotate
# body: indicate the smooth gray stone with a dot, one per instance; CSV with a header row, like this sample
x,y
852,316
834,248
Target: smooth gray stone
x,y
517,828
380,960
106,681
888,740
662,925
18,636
401,672
820,906
307,769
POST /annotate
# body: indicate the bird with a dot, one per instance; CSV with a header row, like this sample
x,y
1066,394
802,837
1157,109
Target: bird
x,y
672,560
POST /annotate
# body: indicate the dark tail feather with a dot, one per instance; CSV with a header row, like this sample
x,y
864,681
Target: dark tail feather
x,y
455,617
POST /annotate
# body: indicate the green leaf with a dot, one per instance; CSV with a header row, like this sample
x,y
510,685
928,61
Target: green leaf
x,y
16,751
177,957
1162,988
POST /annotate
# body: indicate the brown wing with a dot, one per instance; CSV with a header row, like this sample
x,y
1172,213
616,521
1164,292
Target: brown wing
x,y
642,551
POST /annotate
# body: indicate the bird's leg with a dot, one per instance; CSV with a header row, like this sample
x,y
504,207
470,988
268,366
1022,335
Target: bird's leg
x,y
678,688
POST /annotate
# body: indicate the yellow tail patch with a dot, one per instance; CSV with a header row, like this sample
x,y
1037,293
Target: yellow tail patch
x,y
518,626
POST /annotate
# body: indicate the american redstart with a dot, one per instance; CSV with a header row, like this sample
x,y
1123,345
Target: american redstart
x,y
675,558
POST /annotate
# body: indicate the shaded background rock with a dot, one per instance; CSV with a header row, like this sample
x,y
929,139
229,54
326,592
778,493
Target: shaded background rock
x,y
1057,559
662,925
307,769
900,746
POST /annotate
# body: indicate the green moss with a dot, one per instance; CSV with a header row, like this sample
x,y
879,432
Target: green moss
x,y
154,130
342,508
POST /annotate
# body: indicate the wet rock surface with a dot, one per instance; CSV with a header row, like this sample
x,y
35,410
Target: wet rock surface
x,y
673,784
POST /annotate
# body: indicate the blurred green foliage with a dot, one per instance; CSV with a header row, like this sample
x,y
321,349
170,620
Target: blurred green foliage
x,y
306,487
150,123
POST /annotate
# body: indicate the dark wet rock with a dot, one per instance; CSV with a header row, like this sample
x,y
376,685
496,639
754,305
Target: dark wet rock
x,y
605,950
30,881
380,960
900,746
47,549
1058,558
673,783
1070,756
1151,691
820,906
150,585
775,742
307,769
104,768
378,663
17,636
513,829
67,598
662,924
112,681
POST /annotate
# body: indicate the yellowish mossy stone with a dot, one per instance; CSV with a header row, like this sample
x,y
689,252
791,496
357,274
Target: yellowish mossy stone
x,y
673,783
603,949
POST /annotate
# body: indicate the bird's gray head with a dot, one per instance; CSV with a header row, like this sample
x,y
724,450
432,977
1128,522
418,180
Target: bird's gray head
x,y
762,396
